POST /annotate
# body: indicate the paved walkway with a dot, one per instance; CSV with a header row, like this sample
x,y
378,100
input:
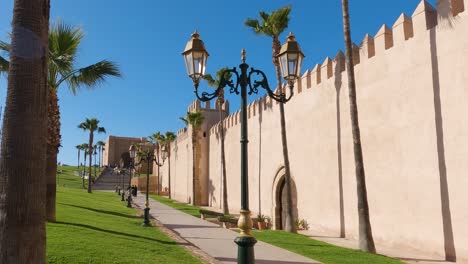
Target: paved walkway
x,y
215,241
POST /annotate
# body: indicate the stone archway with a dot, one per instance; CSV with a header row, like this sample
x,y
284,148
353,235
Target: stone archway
x,y
279,196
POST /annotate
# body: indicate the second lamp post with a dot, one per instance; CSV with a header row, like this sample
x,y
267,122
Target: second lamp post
x,y
146,155
290,59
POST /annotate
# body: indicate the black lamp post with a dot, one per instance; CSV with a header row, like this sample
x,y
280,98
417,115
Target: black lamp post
x,y
122,174
290,59
147,155
117,172
132,151
163,156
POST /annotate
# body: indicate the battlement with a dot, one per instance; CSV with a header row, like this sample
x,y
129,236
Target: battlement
x,y
198,105
404,29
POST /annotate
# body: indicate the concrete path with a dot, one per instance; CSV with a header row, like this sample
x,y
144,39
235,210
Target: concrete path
x,y
215,241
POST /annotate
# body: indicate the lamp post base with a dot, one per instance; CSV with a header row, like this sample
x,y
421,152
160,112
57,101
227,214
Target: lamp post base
x,y
129,201
123,197
146,221
245,249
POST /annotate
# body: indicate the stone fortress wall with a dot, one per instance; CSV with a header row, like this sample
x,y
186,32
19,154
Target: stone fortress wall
x,y
114,148
411,91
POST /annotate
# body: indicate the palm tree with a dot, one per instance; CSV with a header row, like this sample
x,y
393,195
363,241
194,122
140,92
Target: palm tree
x,y
91,125
220,101
79,148
194,119
64,41
366,241
170,137
85,148
94,153
272,25
101,145
158,139
22,157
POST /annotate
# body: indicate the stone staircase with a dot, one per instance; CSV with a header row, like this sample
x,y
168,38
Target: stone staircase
x,y
109,179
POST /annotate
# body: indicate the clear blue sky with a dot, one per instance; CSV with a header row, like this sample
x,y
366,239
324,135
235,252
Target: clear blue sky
x,y
146,39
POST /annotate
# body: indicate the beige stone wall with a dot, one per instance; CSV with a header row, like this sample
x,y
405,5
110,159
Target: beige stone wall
x,y
115,146
411,92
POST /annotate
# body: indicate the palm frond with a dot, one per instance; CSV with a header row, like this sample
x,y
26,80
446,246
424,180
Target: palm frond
x,y
92,75
170,136
4,65
185,120
209,79
101,130
64,41
254,24
4,46
270,24
279,20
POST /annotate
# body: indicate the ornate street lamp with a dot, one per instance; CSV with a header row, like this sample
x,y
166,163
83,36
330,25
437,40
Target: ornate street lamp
x,y
163,156
290,58
148,156
122,177
116,172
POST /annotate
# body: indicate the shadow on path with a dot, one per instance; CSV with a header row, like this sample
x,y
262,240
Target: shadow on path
x,y
264,261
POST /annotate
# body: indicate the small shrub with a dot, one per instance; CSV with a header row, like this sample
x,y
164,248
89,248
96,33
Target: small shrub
x,y
302,224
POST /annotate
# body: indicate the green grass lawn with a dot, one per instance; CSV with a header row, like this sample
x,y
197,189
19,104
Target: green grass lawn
x,y
98,228
66,177
319,250
299,244
186,208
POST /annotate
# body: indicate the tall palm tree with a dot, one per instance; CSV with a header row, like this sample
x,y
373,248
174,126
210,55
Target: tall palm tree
x,y
272,25
170,137
91,125
64,41
194,119
85,148
366,241
158,139
101,145
23,150
95,153
79,148
220,101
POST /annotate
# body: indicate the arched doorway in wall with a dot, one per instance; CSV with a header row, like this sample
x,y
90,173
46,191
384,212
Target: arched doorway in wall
x,y
279,199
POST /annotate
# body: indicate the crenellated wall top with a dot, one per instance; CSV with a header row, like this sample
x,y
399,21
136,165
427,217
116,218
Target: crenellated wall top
x,y
405,27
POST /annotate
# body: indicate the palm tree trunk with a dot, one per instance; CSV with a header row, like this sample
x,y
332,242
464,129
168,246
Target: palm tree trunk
x,y
84,169
223,163
194,139
366,241
169,169
24,146
290,223
53,143
90,160
94,165
78,159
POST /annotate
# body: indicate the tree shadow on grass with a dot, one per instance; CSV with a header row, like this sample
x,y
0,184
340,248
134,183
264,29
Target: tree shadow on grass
x,y
115,232
103,211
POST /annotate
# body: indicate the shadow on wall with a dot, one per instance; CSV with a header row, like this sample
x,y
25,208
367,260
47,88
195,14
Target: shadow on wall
x,y
445,17
339,68
211,189
260,120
